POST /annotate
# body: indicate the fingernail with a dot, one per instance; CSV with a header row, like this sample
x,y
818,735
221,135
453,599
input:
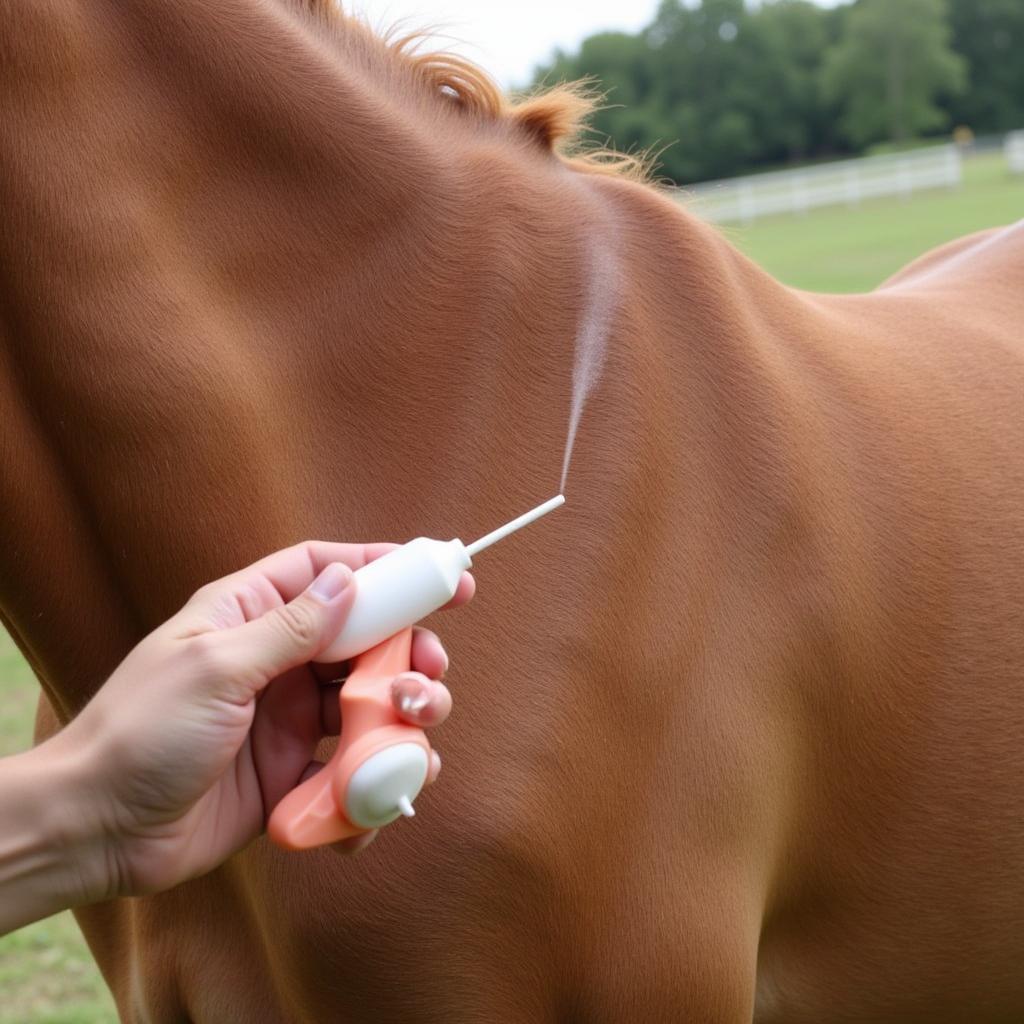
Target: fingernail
x,y
331,582
412,695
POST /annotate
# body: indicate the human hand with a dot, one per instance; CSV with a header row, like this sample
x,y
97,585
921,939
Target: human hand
x,y
215,715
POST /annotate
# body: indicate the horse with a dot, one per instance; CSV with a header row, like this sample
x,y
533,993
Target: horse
x,y
737,733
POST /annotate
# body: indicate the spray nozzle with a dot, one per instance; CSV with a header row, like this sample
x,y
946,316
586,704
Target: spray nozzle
x,y
517,524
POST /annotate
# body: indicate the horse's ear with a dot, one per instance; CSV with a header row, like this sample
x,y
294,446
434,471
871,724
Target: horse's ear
x,y
556,119
556,116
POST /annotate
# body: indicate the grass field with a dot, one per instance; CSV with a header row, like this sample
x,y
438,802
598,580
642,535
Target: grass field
x,y
852,249
46,975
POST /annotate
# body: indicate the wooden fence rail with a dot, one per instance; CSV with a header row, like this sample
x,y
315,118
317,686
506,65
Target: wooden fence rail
x,y
848,181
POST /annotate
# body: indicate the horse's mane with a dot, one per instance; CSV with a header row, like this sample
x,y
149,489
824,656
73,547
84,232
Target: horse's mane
x,y
555,118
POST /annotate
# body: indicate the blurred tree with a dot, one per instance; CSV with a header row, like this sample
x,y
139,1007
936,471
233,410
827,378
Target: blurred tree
x,y
785,46
990,35
715,86
729,85
891,67
697,54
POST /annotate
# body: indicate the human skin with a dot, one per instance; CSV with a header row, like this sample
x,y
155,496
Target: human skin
x,y
180,757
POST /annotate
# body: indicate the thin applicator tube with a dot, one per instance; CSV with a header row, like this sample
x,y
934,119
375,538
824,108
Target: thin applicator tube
x,y
517,524
400,588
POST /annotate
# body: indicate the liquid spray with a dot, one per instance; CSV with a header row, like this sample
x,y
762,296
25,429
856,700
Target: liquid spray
x,y
591,342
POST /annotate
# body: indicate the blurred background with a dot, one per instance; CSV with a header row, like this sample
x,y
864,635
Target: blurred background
x,y
833,142
734,87
840,140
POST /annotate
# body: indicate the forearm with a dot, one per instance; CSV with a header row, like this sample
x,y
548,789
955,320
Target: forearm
x,y
49,857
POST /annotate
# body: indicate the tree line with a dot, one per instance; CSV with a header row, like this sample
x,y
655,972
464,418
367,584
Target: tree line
x,y
721,87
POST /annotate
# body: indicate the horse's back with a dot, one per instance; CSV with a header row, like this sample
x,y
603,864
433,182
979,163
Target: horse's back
x,y
993,257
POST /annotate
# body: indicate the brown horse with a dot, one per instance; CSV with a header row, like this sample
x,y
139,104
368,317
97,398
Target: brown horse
x,y
738,734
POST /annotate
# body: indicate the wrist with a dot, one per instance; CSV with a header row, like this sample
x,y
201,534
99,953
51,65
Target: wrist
x,y
53,849
50,858
79,821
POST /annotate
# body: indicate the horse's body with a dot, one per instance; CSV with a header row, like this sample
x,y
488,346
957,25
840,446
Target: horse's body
x,y
738,734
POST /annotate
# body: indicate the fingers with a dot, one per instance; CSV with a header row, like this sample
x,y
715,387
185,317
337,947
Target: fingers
x,y
417,700
285,636
425,705
428,654
280,577
293,569
463,592
420,701
428,657
285,732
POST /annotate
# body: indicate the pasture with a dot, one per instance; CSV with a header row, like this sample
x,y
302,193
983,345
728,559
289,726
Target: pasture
x,y
46,974
853,249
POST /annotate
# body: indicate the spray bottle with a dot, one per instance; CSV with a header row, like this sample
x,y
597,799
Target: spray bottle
x,y
381,762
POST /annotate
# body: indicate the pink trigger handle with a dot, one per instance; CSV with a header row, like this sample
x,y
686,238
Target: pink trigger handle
x,y
314,813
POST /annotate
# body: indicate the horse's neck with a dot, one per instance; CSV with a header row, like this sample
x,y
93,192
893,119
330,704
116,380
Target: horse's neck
x,y
228,332
237,334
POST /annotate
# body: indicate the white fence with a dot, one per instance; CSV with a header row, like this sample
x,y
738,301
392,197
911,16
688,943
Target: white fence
x,y
1013,147
847,181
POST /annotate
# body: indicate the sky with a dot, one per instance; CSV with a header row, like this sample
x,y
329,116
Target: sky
x,y
510,39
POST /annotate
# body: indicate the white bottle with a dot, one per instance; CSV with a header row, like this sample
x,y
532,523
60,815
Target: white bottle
x,y
407,584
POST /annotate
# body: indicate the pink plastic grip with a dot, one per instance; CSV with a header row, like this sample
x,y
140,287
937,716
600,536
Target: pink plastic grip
x,y
313,813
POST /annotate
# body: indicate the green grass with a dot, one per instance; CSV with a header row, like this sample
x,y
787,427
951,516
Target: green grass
x,y
853,249
46,974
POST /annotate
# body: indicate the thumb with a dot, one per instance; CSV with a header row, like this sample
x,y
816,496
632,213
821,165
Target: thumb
x,y
298,631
